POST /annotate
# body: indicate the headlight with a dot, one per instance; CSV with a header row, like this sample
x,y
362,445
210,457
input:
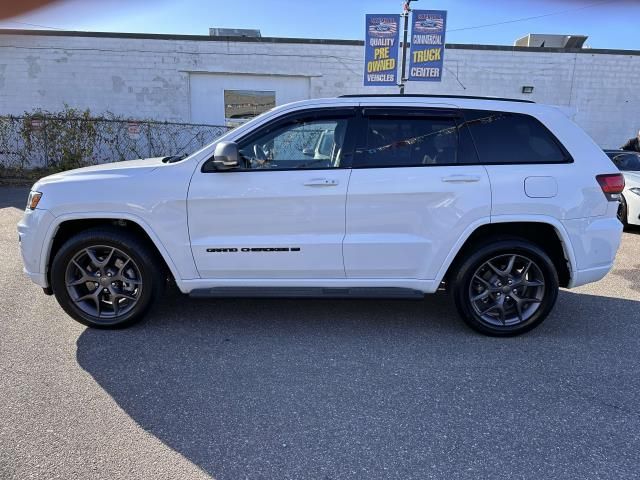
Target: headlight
x,y
635,190
33,200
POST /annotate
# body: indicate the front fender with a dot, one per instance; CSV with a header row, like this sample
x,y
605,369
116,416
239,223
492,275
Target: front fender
x,y
59,220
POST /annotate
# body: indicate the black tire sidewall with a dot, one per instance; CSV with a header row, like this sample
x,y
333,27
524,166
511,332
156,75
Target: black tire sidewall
x,y
625,212
468,267
130,245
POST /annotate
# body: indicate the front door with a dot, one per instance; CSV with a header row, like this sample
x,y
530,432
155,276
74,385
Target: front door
x,y
415,187
282,215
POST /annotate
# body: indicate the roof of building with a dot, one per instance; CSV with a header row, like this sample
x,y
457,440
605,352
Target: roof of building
x,y
321,41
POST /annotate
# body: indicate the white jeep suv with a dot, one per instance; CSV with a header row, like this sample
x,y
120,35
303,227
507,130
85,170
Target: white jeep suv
x,y
499,201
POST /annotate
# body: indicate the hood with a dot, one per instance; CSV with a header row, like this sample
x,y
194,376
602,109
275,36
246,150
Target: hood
x,y
127,168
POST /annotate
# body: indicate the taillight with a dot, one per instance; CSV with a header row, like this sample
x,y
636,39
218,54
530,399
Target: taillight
x,y
611,183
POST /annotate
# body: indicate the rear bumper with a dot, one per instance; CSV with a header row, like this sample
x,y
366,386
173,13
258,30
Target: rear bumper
x,y
595,242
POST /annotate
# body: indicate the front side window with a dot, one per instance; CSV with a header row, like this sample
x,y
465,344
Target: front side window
x,y
504,138
304,143
397,141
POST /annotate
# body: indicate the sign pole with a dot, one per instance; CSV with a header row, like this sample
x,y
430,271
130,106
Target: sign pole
x,y
405,14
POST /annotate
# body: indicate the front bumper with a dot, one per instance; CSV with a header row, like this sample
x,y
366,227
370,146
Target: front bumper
x,y
32,235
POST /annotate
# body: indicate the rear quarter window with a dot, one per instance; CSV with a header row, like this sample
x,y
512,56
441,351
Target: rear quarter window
x,y
513,138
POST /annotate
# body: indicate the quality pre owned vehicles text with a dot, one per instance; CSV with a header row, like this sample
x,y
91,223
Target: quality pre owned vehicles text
x,y
500,201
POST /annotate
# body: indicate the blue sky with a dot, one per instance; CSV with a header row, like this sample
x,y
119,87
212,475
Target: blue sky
x,y
609,24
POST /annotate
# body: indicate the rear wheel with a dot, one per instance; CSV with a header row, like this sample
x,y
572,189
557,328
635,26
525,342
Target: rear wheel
x,y
505,287
106,278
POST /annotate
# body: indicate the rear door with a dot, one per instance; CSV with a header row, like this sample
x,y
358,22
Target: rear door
x,y
414,189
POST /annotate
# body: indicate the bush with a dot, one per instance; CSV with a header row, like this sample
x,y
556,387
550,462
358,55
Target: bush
x,y
72,138
67,138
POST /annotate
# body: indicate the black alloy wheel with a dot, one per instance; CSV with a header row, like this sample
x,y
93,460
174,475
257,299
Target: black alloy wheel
x,y
505,287
107,277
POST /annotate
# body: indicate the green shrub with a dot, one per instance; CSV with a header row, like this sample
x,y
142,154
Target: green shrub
x,y
67,138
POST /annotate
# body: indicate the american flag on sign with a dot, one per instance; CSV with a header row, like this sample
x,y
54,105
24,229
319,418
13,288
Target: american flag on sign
x,y
430,24
383,29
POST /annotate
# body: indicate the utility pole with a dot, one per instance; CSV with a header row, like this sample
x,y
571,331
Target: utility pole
x,y
405,14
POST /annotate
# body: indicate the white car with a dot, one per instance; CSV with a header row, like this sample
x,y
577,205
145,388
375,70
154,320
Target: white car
x,y
499,201
629,164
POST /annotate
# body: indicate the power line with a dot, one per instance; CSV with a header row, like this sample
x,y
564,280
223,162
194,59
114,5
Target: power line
x,y
532,18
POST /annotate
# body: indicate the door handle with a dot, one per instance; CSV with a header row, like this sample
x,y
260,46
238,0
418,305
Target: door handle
x,y
461,178
321,182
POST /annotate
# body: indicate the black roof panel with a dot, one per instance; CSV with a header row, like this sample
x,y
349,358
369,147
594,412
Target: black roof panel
x,y
420,95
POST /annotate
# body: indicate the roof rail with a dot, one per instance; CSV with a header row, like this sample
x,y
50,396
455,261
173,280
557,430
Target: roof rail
x,y
354,95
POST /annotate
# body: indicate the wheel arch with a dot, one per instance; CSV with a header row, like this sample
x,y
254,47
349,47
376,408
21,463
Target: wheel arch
x,y
548,233
65,226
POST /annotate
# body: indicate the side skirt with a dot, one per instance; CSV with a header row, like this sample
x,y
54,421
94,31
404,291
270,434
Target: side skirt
x,y
307,292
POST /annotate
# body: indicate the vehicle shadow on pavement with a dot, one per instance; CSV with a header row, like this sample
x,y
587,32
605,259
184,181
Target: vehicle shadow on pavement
x,y
272,388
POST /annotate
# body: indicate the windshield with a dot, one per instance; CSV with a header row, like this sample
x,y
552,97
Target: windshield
x,y
626,161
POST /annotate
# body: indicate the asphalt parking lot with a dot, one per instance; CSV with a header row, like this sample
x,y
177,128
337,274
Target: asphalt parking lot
x,y
274,389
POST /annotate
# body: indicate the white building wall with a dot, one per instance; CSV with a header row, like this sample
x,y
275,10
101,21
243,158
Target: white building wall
x,y
149,78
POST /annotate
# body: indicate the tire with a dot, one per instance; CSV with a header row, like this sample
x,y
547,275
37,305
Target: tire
x,y
106,277
622,212
477,287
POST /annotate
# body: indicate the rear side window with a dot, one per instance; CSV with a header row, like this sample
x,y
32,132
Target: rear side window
x,y
407,141
505,138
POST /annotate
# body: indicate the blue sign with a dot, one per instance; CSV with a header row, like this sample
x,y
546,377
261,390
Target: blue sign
x,y
426,57
381,50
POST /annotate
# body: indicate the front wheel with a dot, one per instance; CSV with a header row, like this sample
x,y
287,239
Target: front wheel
x,y
106,278
505,287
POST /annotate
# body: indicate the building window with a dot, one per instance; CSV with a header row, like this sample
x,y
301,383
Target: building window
x,y
242,105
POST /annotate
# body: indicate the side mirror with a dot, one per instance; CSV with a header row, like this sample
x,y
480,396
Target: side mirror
x,y
309,152
226,156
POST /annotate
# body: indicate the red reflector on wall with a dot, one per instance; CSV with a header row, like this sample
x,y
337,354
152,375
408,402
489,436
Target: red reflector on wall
x,y
611,182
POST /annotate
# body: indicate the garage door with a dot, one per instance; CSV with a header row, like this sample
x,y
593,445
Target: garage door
x,y
245,94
